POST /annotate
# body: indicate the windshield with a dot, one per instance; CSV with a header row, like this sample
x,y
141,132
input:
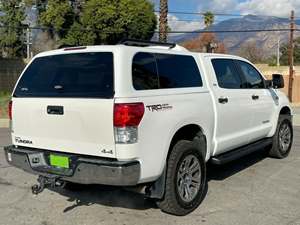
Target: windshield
x,y
69,75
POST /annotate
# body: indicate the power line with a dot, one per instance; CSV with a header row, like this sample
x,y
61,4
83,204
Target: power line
x,y
201,13
231,31
220,14
176,31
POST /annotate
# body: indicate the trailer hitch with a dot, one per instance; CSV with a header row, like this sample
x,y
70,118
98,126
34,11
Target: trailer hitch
x,y
46,182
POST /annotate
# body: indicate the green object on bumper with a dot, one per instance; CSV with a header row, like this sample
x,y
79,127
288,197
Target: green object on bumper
x,y
59,161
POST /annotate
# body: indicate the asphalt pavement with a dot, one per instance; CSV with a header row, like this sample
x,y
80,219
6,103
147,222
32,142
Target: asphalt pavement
x,y
255,190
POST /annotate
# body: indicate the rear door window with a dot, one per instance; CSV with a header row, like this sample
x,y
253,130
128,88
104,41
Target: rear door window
x,y
69,75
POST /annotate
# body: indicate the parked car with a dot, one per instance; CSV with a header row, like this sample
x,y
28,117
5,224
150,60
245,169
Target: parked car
x,y
143,114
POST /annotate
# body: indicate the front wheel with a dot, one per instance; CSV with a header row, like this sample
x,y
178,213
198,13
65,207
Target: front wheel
x,y
185,179
283,138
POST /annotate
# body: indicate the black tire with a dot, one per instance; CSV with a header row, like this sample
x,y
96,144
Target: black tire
x,y
281,147
172,202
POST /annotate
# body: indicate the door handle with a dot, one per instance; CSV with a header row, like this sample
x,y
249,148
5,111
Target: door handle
x,y
55,110
255,97
223,100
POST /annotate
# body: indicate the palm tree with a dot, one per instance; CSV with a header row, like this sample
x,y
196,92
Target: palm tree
x,y
209,19
163,21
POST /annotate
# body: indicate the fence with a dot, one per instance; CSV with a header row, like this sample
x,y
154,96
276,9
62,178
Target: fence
x,y
284,70
10,70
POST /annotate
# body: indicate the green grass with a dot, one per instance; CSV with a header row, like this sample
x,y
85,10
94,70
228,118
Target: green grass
x,y
4,99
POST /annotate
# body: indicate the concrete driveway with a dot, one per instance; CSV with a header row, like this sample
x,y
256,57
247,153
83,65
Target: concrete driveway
x,y
254,190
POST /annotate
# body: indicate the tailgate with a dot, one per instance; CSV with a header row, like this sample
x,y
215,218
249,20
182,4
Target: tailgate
x,y
65,103
85,127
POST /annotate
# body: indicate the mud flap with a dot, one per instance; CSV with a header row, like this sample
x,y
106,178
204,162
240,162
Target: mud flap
x,y
157,189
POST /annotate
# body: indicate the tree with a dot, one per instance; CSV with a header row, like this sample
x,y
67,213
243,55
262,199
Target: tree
x,y
77,7
109,21
200,43
59,17
77,36
251,52
11,33
209,19
40,5
207,41
163,21
43,42
284,49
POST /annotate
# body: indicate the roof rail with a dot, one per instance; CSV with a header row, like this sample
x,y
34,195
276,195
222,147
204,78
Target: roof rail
x,y
142,43
66,46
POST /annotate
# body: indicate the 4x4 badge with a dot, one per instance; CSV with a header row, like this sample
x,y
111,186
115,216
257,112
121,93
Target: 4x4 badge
x,y
107,151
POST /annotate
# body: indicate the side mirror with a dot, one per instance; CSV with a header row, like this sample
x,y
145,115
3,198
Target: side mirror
x,y
278,81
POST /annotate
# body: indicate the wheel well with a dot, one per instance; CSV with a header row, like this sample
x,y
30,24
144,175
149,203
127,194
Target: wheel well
x,y
188,132
285,111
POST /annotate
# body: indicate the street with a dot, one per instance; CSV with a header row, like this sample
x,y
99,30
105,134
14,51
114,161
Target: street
x,y
254,190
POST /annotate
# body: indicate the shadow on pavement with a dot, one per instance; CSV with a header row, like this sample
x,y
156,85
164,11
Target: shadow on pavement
x,y
86,195
222,172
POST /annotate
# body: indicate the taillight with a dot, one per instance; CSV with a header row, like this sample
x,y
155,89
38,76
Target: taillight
x,y
129,114
127,117
10,104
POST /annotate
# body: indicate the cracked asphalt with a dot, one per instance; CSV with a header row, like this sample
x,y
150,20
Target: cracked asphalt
x,y
254,190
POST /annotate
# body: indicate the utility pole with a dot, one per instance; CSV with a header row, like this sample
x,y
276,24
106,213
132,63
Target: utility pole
x,y
291,56
28,42
278,51
163,21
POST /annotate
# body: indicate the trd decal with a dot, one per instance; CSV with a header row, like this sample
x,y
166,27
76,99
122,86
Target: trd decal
x,y
159,107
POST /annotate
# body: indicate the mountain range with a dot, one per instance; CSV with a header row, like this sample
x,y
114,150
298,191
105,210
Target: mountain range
x,y
266,41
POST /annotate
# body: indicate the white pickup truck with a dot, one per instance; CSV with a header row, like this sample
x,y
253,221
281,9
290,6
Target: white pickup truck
x,y
143,114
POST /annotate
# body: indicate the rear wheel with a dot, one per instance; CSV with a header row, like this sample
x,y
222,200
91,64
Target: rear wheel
x,y
283,138
185,179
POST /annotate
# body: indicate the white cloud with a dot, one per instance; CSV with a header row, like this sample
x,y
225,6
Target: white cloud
x,y
269,7
218,6
177,24
281,8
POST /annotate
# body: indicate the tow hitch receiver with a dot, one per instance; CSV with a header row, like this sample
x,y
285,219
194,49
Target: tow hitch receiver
x,y
45,182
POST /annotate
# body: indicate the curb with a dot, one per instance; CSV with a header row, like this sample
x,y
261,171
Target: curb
x,y
4,123
296,120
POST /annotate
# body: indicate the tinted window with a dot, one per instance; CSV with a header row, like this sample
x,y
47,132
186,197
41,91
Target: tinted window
x,y
144,73
71,75
252,76
177,71
227,74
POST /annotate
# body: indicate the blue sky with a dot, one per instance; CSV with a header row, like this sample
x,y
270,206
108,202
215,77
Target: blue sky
x,y
280,8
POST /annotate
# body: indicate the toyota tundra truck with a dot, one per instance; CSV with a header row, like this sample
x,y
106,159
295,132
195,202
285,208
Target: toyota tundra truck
x,y
143,114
